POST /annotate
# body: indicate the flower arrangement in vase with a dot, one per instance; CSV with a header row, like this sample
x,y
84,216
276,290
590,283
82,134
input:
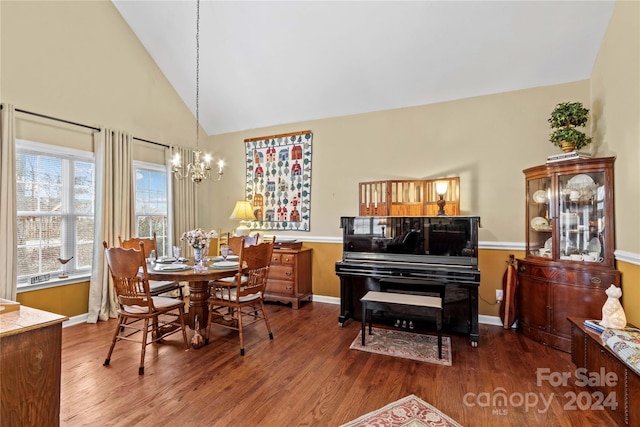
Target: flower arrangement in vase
x,y
198,238
564,120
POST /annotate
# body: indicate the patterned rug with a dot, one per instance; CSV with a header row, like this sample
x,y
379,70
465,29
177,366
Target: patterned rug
x,y
409,411
408,345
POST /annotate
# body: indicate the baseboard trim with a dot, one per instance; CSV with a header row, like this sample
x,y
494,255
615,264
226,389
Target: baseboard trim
x,y
483,319
81,318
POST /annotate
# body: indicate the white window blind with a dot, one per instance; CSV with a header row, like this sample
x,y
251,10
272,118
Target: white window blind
x,y
55,196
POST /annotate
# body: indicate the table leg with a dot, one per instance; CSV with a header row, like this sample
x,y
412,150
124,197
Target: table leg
x,y
198,304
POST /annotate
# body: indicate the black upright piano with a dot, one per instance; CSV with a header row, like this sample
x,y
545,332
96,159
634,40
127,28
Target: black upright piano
x,y
415,250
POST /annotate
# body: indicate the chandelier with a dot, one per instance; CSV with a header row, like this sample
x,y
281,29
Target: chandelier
x,y
201,168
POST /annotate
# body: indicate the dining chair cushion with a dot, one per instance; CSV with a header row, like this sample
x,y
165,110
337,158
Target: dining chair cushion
x,y
231,279
230,295
158,286
159,302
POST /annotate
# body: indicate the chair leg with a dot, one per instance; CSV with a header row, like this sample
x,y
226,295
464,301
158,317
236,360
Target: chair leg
x,y
208,328
121,320
184,329
266,321
144,346
239,319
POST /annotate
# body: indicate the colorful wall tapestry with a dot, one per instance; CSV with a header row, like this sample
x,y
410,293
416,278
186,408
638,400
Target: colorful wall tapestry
x,y
279,181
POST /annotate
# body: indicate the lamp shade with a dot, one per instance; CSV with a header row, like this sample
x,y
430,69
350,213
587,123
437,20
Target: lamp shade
x,y
441,187
243,211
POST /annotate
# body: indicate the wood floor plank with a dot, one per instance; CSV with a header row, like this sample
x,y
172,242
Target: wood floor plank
x,y
305,376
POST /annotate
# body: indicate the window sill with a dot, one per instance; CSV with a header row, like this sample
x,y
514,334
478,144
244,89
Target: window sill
x,y
54,282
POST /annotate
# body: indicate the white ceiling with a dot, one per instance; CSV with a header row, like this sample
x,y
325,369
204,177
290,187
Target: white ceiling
x,y
265,63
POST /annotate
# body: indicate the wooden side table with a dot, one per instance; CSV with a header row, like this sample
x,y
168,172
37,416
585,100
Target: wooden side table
x,y
290,277
30,366
589,353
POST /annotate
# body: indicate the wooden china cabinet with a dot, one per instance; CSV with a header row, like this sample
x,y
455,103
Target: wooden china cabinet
x,y
569,261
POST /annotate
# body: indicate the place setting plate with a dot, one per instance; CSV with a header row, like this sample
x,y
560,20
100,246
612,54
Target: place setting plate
x,y
229,258
225,264
171,267
166,260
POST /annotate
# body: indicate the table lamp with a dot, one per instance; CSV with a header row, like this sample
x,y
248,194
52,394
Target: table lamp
x,y
441,190
243,211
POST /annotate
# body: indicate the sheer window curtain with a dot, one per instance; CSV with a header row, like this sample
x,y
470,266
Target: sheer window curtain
x,y
185,215
8,216
114,212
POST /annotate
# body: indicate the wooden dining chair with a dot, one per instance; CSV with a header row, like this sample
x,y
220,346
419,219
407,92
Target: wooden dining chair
x,y
161,316
235,244
156,287
240,303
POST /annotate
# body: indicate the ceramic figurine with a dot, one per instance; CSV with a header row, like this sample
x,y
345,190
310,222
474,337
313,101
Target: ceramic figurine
x,y
612,313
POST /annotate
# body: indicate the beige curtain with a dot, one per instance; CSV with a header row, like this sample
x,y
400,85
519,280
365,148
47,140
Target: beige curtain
x,y
8,217
114,214
185,216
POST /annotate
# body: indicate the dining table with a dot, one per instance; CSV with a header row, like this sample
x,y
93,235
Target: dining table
x,y
198,280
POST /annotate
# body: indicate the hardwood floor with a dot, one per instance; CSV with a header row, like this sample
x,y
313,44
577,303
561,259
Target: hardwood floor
x,y
306,376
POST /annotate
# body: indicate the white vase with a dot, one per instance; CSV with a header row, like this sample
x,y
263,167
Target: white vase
x,y
197,256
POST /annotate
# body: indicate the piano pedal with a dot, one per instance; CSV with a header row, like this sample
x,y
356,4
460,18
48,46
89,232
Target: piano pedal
x,y
411,325
404,324
397,325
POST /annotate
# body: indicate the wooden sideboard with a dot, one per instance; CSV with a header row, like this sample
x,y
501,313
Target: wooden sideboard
x,y
549,293
591,354
290,276
30,365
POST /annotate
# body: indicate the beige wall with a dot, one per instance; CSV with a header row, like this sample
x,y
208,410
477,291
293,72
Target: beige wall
x,y
79,61
486,140
615,100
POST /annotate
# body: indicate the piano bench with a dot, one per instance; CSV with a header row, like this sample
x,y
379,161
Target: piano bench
x,y
385,301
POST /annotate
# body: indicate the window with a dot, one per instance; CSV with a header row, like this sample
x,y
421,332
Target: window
x,y
152,203
55,196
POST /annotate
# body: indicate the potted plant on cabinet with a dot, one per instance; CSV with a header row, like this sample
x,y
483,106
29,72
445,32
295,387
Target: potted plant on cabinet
x,y
564,120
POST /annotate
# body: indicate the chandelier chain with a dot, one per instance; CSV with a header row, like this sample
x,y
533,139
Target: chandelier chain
x,y
198,73
200,168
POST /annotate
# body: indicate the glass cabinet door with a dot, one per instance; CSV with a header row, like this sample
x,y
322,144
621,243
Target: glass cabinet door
x,y
582,216
540,240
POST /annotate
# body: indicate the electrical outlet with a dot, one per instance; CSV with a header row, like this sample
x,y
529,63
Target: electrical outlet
x,y
499,295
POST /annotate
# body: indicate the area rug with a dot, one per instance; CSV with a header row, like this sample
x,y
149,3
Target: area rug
x,y
408,345
410,411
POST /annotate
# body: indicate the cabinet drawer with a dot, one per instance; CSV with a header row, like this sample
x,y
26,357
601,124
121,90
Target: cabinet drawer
x,y
578,277
280,287
282,272
275,258
288,259
283,258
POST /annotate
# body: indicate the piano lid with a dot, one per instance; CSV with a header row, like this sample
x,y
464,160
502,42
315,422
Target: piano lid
x,y
433,239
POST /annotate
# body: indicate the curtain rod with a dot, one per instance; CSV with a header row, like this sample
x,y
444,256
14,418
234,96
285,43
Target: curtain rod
x,y
56,119
282,135
80,124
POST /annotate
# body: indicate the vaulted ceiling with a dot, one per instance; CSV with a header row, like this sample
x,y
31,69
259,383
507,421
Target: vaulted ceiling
x,y
265,63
